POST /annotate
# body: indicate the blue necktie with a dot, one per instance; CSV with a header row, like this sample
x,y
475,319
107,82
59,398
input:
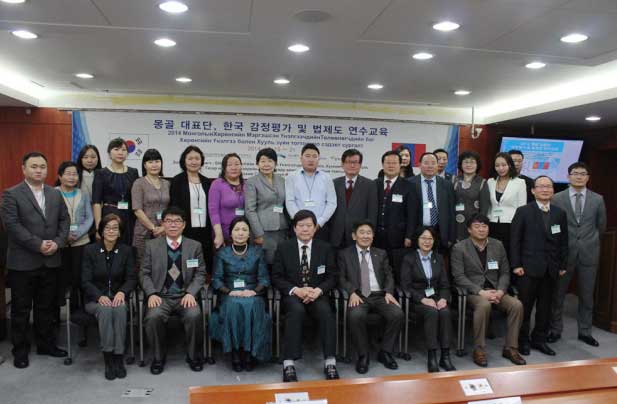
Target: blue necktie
x,y
431,199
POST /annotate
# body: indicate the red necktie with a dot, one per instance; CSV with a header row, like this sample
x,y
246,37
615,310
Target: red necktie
x,y
348,191
387,191
174,245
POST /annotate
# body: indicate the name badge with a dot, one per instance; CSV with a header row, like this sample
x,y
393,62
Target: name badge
x,y
310,204
159,215
460,207
398,198
73,228
493,265
428,205
198,211
278,208
123,205
497,211
321,270
238,283
239,212
192,263
428,292
555,229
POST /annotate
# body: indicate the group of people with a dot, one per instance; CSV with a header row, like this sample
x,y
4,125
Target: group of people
x,y
103,231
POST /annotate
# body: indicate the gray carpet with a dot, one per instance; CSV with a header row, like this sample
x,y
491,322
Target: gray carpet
x,y
48,380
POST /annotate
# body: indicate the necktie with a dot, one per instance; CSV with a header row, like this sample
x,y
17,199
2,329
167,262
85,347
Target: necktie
x,y
305,267
365,283
578,206
348,191
545,208
431,199
174,245
387,190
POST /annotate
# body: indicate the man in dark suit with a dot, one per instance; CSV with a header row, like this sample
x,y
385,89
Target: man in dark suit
x,y
304,271
442,163
356,199
434,201
37,224
365,273
518,157
395,212
539,254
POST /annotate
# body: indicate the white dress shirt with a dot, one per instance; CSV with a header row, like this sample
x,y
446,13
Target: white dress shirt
x,y
39,195
374,285
426,212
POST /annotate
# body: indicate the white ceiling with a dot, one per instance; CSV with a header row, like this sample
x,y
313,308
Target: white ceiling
x,y
237,47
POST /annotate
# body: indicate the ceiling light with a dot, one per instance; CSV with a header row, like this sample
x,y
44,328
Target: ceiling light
x,y
24,34
84,75
375,86
13,1
298,48
446,26
574,38
281,81
173,7
184,79
462,92
535,65
593,118
422,56
165,42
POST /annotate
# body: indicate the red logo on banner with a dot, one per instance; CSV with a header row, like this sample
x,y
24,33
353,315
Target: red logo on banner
x,y
417,150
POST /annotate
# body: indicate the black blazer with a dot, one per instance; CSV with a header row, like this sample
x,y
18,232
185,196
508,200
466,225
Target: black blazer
x,y
349,270
95,278
445,208
397,216
533,246
414,281
286,272
180,196
529,185
362,206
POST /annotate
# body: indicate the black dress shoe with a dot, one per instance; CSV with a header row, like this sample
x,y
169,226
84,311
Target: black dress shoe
x,y
289,374
589,340
542,347
157,367
110,370
21,362
362,364
330,372
445,362
249,364
387,360
53,351
119,369
551,337
236,361
432,364
523,348
196,365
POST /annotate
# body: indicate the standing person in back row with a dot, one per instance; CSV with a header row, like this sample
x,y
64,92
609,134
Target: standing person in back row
x,y
517,158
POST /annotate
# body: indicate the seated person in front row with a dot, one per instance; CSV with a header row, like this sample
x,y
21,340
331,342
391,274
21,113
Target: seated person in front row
x,y
172,274
480,266
424,276
108,277
365,273
241,322
304,271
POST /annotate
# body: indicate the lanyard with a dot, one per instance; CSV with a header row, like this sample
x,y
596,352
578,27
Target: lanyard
x,y
310,189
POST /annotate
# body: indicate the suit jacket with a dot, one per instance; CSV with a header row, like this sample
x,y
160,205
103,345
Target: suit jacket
x,y
26,226
362,206
469,273
529,185
414,280
349,270
398,217
260,197
154,266
97,281
180,196
286,272
536,248
514,196
445,208
583,237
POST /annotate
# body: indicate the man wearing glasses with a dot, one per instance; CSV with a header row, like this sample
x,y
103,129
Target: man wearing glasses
x,y
172,274
586,221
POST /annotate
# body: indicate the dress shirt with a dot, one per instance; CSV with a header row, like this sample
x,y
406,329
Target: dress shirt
x,y
572,192
198,200
541,206
392,181
374,285
353,181
426,212
169,241
426,265
308,257
318,188
39,195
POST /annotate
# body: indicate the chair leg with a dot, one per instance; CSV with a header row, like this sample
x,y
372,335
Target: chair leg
x,y
69,359
346,353
404,334
462,314
407,304
277,306
131,359
336,316
207,339
142,363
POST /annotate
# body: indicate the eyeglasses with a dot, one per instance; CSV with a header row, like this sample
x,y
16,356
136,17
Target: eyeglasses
x,y
578,174
352,162
426,238
112,228
173,221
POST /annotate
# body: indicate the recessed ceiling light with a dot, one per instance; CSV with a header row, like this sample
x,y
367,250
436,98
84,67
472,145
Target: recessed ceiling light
x,y
24,34
375,86
165,42
14,1
173,7
593,118
281,81
462,92
298,48
84,75
574,38
422,56
446,26
184,79
535,65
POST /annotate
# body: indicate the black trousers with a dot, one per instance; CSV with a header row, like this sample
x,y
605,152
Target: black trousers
x,y
36,288
538,292
321,312
392,315
437,326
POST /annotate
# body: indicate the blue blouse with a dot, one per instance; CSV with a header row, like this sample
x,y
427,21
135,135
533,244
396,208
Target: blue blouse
x,y
251,268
